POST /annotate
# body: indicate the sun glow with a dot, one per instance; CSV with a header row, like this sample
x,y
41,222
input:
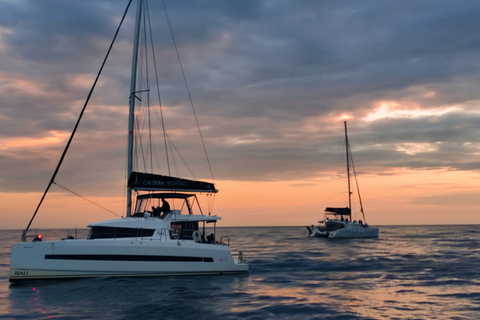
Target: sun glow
x,y
344,117
394,109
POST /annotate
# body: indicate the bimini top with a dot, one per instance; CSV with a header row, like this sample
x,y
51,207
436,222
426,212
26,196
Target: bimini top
x,y
165,195
144,201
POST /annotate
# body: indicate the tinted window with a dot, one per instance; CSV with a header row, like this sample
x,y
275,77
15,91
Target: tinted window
x,y
184,230
113,233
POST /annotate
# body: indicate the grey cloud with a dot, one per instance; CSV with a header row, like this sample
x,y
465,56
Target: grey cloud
x,y
257,70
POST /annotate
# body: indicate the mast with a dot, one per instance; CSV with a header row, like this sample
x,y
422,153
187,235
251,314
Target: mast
x,y
131,117
348,167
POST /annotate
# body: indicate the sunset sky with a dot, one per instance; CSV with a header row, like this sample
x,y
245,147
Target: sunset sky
x,y
272,83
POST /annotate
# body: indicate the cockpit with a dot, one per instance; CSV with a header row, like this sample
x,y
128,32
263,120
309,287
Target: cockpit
x,y
164,204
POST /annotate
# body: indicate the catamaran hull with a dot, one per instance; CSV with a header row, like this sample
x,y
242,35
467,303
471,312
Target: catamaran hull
x,y
362,232
316,233
348,232
125,258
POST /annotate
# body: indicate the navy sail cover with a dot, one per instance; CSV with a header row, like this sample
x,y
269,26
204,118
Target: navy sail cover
x,y
342,211
153,182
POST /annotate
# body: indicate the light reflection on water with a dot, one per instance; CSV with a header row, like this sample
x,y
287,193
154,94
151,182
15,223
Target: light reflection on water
x,y
422,272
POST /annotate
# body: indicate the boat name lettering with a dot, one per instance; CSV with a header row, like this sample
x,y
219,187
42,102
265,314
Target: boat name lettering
x,y
21,273
165,183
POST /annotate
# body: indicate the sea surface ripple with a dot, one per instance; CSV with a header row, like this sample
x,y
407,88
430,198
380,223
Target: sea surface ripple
x,y
410,272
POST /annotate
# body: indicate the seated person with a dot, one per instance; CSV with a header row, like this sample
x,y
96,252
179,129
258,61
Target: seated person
x,y
165,207
211,238
156,211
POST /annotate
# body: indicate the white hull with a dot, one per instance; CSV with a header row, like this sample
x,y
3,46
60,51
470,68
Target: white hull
x,y
314,232
361,232
119,257
351,230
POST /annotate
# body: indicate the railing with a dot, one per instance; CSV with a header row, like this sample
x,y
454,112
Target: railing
x,y
242,258
187,234
228,240
35,236
70,237
164,232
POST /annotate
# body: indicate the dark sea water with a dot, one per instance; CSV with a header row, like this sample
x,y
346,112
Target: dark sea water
x,y
410,272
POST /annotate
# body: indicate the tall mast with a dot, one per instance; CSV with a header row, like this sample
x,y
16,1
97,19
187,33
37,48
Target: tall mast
x,y
131,117
347,147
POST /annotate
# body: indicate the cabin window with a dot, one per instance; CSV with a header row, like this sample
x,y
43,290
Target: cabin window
x,y
184,230
113,233
334,225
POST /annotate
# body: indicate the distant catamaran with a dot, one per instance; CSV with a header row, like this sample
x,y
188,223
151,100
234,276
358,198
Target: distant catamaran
x,y
338,221
151,241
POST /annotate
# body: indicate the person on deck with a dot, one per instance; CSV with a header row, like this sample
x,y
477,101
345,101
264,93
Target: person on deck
x,y
165,207
156,211
211,238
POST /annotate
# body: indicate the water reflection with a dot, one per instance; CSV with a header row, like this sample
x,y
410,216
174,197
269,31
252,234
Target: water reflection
x,y
410,272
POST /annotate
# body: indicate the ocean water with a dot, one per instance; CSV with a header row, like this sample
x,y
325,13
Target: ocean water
x,y
410,272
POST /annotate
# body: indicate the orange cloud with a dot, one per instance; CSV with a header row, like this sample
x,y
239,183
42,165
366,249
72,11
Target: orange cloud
x,y
80,80
10,82
55,137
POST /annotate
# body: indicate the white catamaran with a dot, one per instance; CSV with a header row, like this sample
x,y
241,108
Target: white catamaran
x,y
164,234
337,222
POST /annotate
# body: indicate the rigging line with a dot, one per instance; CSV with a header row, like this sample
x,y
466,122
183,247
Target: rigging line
x,y
342,170
156,162
147,83
180,155
211,200
125,180
334,195
175,167
158,90
358,188
143,121
78,195
188,90
139,145
78,122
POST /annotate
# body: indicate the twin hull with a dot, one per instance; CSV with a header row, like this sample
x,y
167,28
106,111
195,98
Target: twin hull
x,y
119,257
351,230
